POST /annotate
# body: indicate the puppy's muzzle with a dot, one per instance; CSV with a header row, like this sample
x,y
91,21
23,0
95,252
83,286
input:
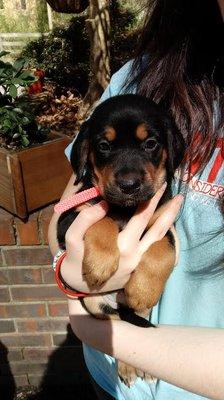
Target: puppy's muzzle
x,y
129,185
129,188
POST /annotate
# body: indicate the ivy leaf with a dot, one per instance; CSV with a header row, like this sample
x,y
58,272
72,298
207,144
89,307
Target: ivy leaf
x,y
17,81
18,110
27,75
7,124
26,120
25,141
18,65
13,91
4,53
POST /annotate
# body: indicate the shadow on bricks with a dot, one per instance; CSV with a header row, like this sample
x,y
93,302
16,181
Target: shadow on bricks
x,y
66,376
7,382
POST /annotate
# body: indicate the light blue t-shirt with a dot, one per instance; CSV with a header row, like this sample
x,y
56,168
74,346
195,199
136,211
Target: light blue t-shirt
x,y
193,296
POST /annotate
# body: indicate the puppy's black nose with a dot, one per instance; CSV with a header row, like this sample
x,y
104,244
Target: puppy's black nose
x,y
130,185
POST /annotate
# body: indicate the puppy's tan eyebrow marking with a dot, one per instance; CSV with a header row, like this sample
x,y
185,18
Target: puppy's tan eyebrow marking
x,y
141,132
110,133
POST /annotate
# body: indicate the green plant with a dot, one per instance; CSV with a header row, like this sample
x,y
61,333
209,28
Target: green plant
x,y
123,34
13,76
63,54
18,127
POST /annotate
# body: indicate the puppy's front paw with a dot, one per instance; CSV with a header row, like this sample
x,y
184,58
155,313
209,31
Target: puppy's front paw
x,y
138,302
137,293
96,272
129,374
101,255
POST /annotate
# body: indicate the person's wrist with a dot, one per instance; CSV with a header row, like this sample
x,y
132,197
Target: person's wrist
x,y
71,272
60,253
64,282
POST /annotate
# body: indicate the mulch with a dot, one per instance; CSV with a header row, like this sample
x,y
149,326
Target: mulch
x,y
57,108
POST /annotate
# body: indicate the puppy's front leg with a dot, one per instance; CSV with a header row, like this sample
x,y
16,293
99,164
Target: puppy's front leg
x,y
147,282
101,254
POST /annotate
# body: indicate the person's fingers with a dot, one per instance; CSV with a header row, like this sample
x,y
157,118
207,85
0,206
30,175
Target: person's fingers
x,y
86,218
135,227
163,223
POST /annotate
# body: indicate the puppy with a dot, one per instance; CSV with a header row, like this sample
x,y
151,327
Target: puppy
x,y
128,148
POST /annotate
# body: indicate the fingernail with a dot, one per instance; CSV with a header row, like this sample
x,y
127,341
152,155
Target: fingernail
x,y
164,185
179,198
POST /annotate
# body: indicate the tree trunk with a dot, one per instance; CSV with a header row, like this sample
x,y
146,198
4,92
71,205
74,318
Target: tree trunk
x,y
98,26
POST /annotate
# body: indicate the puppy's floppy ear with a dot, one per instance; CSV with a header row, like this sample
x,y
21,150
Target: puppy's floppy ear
x,y
79,154
175,146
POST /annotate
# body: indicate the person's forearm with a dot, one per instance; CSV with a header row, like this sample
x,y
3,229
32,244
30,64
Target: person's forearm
x,y
191,358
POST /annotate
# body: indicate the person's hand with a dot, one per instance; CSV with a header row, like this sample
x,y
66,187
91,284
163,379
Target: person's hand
x,y
131,243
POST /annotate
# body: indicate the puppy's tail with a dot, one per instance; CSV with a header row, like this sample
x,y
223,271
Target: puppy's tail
x,y
128,315
122,312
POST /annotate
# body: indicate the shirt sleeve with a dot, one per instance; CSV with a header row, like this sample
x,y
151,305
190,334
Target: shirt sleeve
x,y
115,87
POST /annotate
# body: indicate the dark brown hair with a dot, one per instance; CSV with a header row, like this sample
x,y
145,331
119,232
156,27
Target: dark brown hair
x,y
180,64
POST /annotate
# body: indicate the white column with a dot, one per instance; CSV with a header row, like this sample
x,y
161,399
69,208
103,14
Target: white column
x,y
49,16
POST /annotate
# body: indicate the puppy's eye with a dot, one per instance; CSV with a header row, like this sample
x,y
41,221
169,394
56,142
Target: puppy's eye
x,y
150,144
104,146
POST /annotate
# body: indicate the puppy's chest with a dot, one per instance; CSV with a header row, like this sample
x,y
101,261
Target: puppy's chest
x,y
119,214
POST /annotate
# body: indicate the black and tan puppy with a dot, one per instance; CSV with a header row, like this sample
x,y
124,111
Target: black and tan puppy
x,y
127,148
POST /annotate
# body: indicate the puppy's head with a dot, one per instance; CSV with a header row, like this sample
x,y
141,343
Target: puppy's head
x,y
128,148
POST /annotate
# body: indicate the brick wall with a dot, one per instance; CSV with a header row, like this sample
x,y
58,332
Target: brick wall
x,y
36,344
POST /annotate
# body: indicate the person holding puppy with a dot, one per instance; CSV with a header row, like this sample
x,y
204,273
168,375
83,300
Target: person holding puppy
x,y
180,65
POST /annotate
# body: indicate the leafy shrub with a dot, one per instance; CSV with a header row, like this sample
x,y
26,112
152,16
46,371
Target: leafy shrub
x,y
124,34
63,54
18,127
11,77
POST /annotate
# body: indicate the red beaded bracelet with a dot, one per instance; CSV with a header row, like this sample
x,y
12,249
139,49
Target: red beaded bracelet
x,y
61,284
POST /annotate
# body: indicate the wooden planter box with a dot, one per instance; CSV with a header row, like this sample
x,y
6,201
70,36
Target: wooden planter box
x,y
33,177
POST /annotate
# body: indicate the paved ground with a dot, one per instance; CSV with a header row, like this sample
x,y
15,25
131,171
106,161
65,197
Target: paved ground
x,y
75,393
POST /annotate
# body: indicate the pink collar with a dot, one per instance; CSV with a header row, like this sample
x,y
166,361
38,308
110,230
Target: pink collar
x,y
76,199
